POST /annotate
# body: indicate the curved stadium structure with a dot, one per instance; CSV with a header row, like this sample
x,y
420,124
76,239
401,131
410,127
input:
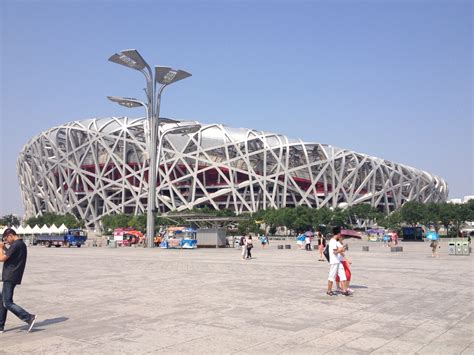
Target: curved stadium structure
x,y
97,167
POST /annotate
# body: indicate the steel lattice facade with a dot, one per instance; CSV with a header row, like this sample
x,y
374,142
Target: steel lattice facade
x,y
99,166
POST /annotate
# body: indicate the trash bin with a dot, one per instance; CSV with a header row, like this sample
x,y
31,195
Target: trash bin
x,y
365,248
288,246
280,246
465,248
452,248
458,247
113,244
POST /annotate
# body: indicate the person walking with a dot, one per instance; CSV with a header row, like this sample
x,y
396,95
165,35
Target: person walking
x,y
14,262
434,248
395,237
307,240
335,265
347,269
249,247
321,245
243,245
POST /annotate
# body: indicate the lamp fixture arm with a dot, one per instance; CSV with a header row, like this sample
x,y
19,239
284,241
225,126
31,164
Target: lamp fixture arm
x,y
158,98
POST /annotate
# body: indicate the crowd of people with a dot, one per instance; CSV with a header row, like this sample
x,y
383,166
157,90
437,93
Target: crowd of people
x,y
339,263
14,253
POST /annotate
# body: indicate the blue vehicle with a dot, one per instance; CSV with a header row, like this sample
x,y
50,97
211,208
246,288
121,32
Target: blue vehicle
x,y
414,234
74,237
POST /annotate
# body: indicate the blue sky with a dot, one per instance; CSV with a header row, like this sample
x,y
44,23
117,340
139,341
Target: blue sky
x,y
392,80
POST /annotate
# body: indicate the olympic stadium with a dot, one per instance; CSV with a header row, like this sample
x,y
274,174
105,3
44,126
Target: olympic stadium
x,y
96,167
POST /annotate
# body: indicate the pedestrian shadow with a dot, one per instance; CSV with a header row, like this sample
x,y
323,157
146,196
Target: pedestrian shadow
x,y
358,286
43,323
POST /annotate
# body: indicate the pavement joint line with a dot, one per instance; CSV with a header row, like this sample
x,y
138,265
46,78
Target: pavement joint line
x,y
431,341
221,286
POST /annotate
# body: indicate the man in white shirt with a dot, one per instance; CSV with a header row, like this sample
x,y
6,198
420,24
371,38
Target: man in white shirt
x,y
336,254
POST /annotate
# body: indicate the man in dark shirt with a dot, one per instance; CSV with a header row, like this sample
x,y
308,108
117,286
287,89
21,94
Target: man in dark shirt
x,y
14,262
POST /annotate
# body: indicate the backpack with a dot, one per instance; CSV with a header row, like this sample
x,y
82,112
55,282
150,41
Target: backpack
x,y
326,252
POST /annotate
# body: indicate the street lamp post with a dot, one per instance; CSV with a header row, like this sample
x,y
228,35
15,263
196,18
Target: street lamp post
x,y
163,76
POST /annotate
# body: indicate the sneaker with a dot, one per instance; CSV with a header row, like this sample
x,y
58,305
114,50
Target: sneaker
x,y
330,293
2,331
31,323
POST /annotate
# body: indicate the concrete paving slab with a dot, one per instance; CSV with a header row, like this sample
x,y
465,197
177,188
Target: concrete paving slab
x,y
131,300
399,347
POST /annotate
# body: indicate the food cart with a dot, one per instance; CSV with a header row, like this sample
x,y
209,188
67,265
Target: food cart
x,y
179,238
375,234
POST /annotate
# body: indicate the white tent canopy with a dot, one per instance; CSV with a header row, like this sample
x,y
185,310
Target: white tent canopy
x,y
36,229
62,228
28,230
20,230
45,229
54,230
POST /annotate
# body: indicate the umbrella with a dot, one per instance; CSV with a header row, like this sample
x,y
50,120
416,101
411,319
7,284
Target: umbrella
x,y
300,238
349,233
432,235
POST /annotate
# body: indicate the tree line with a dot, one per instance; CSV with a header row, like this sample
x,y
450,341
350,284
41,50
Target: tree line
x,y
299,219
295,220
49,219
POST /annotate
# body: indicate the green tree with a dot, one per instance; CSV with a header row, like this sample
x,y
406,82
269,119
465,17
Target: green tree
x,y
470,207
270,219
446,215
392,220
358,213
9,220
49,218
111,222
461,214
302,220
339,218
321,217
413,212
248,226
138,222
432,215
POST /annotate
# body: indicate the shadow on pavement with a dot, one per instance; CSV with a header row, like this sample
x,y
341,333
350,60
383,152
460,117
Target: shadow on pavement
x,y
40,324
358,286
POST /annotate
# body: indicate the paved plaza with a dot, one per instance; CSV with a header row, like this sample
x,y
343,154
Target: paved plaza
x,y
133,300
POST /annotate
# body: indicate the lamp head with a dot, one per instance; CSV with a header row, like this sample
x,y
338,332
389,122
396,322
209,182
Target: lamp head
x,y
129,102
167,75
129,58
